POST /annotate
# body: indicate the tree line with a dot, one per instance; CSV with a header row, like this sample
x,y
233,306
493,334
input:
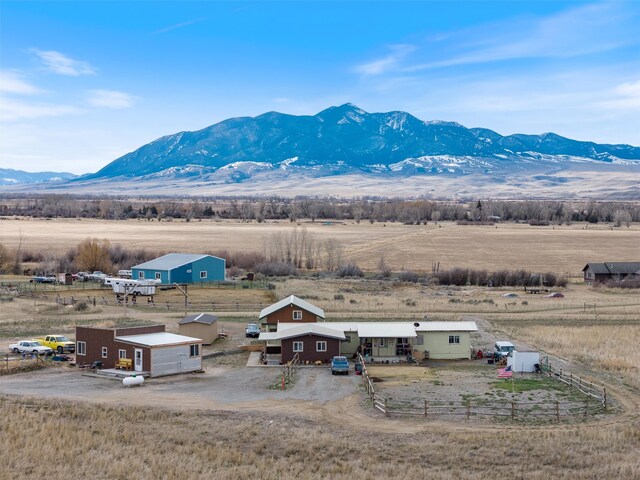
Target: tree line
x,y
370,209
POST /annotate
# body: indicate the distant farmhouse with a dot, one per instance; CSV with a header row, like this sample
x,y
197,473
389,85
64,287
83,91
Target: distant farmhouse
x,y
181,268
603,272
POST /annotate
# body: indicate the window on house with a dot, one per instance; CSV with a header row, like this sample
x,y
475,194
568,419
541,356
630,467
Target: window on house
x,y
454,338
297,314
194,350
203,274
298,346
420,340
122,353
158,276
321,346
402,341
81,348
104,352
141,275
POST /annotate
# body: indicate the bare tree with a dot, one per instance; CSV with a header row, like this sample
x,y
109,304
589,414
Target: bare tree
x,y
93,254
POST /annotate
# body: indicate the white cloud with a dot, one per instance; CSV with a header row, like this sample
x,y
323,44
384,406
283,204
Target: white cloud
x,y
13,82
625,96
386,63
59,63
178,25
110,99
11,110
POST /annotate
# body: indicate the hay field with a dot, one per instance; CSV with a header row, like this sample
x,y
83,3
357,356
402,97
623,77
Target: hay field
x,y
98,441
561,249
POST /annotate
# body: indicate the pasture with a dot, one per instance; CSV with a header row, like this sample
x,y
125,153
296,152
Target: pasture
x,y
593,330
562,249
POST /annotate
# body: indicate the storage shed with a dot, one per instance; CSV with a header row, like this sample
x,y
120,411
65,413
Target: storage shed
x,y
200,325
152,349
181,268
523,361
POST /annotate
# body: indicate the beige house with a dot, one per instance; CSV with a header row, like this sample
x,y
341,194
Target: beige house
x,y
200,325
444,340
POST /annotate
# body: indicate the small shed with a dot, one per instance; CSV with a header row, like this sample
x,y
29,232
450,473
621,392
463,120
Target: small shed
x,y
181,268
200,325
523,361
310,341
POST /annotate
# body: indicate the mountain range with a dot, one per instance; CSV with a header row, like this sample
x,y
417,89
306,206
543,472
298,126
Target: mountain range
x,y
345,150
17,177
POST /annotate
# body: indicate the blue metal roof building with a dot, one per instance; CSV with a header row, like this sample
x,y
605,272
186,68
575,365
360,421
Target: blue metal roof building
x,y
181,268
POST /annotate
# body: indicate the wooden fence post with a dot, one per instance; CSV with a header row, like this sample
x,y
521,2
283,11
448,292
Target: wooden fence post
x,y
604,399
468,408
570,380
385,408
513,410
425,409
557,410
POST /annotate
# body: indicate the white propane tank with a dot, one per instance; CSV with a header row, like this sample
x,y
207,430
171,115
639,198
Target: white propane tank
x,y
133,380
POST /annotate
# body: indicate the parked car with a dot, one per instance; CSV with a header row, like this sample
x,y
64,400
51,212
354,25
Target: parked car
x,y
554,295
30,346
503,349
252,331
43,279
339,364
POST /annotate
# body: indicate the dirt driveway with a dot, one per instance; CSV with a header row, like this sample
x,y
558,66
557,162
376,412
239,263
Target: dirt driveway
x,y
220,387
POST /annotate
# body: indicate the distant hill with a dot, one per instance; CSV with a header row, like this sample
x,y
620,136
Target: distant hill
x,y
18,177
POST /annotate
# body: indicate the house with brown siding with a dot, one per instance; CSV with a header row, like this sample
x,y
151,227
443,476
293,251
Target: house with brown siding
x,y
151,349
289,310
311,342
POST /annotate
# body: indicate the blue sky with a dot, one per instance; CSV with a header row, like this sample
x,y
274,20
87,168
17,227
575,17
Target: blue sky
x,y
82,83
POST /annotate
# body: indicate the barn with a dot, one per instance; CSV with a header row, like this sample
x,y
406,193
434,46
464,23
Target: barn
x,y
153,351
289,310
181,268
200,325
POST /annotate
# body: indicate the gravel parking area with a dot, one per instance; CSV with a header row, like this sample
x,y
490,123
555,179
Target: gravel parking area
x,y
221,386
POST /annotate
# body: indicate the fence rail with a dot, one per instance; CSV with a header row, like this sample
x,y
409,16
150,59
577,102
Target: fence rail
x,y
509,410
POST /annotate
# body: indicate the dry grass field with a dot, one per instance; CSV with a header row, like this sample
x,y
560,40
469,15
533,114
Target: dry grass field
x,y
561,249
95,441
595,330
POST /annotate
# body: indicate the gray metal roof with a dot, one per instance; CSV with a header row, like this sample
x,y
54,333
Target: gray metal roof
x,y
613,268
205,318
171,260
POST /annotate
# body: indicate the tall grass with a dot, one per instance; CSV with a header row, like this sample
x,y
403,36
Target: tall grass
x,y
98,441
613,349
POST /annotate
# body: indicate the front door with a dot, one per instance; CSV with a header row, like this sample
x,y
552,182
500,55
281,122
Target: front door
x,y
137,364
